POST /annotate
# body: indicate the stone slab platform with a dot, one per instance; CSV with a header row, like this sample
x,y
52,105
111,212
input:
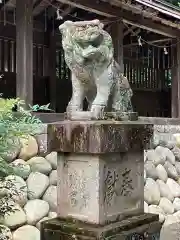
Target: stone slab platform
x,y
145,226
98,136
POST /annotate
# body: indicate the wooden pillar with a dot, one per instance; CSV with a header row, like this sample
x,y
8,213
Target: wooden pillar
x,y
24,50
117,37
175,87
52,69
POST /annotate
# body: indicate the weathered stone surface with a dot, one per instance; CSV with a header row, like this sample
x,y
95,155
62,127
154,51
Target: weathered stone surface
x,y
168,144
171,170
145,176
29,147
178,181
146,210
161,152
158,127
52,159
165,190
170,156
14,150
151,171
26,232
151,192
15,218
40,164
176,204
117,93
52,215
53,178
177,139
171,128
176,152
165,154
42,143
161,173
38,225
21,168
177,214
41,139
171,219
163,137
177,165
145,155
37,184
36,210
174,186
50,196
98,136
170,229
155,157
88,193
20,189
157,210
166,205
155,141
121,230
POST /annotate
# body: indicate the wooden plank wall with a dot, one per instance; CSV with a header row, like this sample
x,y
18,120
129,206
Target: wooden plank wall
x,y
148,70
64,85
8,64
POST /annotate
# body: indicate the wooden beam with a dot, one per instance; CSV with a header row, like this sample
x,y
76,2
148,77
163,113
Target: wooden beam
x,y
178,76
37,3
52,68
174,85
107,10
38,26
117,37
4,3
150,38
156,41
175,88
91,6
129,30
24,50
39,6
150,25
9,31
67,11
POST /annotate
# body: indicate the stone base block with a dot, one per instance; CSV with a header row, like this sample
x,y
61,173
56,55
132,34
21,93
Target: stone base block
x,y
100,188
141,227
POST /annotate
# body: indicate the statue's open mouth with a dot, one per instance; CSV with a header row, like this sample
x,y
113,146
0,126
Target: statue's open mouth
x,y
90,52
94,38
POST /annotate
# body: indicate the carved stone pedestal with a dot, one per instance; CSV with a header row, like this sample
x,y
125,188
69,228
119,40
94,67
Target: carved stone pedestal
x,y
142,227
100,175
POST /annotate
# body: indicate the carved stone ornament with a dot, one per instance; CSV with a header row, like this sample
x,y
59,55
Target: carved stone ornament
x,y
96,76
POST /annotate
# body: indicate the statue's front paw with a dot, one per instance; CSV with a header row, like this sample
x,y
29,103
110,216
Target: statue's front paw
x,y
97,111
73,108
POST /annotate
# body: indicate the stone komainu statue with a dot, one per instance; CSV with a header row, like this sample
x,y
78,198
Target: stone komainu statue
x,y
89,54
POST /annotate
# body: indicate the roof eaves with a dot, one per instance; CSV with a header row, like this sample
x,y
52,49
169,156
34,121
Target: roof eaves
x,y
161,7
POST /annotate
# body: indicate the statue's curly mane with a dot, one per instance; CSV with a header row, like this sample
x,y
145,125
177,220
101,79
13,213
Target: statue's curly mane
x,y
86,44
